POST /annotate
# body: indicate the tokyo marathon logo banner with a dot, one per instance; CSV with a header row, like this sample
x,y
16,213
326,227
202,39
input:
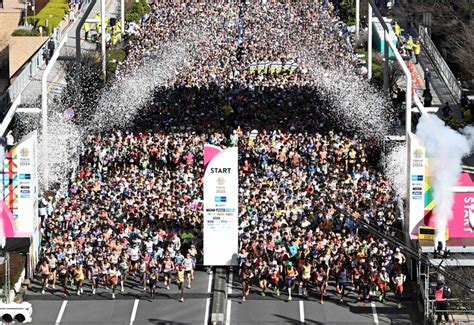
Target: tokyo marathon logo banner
x,y
221,203
19,189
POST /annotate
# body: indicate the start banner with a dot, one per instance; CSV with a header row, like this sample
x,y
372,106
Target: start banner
x,y
221,204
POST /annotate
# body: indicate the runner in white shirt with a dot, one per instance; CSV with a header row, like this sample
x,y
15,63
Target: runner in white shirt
x,y
143,273
134,257
188,269
114,275
149,247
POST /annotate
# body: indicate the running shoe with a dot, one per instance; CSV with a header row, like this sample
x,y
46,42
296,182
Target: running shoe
x,y
42,292
181,300
188,286
113,295
289,298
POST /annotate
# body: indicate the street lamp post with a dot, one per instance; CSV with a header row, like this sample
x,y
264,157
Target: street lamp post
x,y
122,16
102,31
369,44
357,19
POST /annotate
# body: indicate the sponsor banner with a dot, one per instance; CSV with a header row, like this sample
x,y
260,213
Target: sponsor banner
x,y
220,205
416,183
421,198
19,186
461,224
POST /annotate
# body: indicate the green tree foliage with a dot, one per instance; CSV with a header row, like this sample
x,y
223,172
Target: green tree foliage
x,y
139,9
347,11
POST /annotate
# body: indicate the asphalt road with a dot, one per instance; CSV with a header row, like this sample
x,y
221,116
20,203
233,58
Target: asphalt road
x,y
277,310
136,307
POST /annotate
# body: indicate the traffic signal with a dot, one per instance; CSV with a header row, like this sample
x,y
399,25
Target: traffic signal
x,y
18,313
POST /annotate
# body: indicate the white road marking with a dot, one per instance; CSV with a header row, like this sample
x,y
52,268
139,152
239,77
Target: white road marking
x,y
227,314
61,312
206,314
134,311
374,312
301,311
209,285
231,279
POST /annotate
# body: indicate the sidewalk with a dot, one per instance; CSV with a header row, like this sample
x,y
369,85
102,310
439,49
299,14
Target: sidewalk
x,y
439,91
56,79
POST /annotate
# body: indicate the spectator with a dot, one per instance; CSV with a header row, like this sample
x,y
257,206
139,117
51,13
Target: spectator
x,y
442,293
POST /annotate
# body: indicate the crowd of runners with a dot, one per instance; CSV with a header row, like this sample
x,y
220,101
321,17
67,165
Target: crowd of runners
x,y
132,215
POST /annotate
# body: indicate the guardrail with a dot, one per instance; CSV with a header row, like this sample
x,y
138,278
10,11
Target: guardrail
x,y
456,315
447,75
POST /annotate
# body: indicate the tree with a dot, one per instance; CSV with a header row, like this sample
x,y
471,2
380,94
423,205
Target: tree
x,y
394,75
83,87
451,29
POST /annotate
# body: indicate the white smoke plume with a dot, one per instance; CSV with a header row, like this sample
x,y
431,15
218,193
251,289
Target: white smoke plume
x,y
395,168
122,102
358,104
446,147
468,131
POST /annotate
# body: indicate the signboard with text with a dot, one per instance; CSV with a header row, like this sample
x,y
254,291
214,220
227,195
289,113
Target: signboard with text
x,y
19,187
421,197
221,202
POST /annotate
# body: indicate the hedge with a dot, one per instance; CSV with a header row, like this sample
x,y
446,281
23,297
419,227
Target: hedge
x,y
114,57
25,32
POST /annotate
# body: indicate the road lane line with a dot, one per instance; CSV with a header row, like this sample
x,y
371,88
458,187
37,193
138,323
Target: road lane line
x,y
231,279
206,314
227,314
61,312
134,311
374,312
301,311
209,285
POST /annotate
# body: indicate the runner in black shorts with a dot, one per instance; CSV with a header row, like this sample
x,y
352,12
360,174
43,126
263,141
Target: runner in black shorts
x,y
246,275
153,280
263,274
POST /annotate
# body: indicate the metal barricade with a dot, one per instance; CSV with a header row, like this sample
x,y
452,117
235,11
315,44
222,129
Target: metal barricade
x,y
456,315
447,75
